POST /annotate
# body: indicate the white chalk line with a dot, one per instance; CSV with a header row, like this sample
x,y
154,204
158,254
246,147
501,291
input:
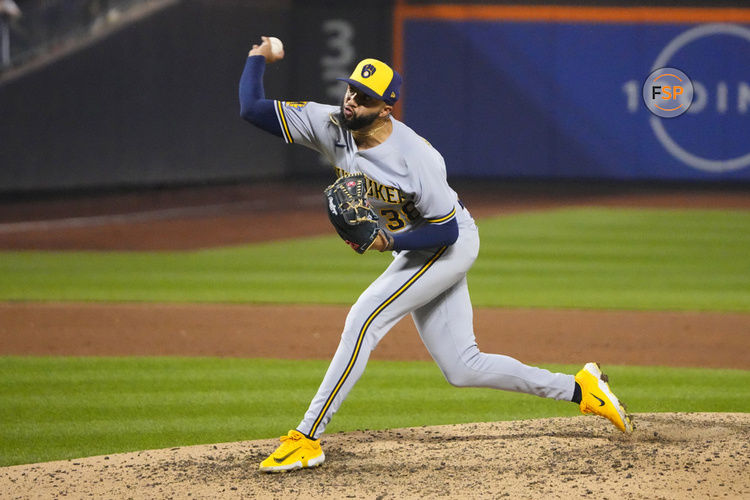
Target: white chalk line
x,y
143,216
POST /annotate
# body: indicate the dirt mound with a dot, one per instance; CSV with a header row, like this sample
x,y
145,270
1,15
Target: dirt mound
x,y
670,455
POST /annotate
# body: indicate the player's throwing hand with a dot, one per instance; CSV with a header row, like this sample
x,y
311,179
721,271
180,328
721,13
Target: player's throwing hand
x,y
271,51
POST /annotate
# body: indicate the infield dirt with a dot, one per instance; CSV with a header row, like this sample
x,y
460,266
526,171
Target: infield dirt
x,y
669,456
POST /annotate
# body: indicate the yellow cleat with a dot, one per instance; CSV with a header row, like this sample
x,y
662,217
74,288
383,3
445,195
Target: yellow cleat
x,y
598,398
295,452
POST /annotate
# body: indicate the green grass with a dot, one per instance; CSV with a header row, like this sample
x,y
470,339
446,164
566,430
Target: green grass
x,y
602,258
584,258
59,408
56,408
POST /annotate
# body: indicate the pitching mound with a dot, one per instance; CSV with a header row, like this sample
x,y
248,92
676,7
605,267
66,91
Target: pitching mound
x,y
670,455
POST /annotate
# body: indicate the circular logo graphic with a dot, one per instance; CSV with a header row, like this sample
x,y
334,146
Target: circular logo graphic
x,y
667,92
658,126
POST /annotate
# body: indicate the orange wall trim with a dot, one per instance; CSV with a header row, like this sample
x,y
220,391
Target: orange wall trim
x,y
555,13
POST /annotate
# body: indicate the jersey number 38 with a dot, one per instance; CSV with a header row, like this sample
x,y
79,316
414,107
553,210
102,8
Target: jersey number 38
x,y
395,218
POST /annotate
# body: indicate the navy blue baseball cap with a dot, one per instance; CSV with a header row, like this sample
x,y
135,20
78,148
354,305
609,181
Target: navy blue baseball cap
x,y
376,79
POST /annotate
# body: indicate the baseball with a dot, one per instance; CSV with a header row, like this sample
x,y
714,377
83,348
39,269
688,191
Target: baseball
x,y
277,48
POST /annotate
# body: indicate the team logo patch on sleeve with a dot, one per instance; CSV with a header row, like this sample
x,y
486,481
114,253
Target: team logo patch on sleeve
x,y
295,104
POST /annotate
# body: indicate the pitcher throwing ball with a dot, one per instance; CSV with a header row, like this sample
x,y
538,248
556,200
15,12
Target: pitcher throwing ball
x,y
434,243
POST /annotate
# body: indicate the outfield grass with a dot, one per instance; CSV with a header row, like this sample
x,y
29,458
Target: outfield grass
x,y
58,408
55,408
582,258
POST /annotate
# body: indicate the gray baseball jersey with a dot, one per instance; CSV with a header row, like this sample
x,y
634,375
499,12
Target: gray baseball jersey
x,y
407,184
408,188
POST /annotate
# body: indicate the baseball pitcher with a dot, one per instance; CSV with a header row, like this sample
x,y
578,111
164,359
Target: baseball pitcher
x,y
392,195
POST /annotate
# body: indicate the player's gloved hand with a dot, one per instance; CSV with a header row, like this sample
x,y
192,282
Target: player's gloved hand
x,y
383,242
351,214
264,49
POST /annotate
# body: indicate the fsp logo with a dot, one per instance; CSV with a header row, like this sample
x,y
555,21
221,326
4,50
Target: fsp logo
x,y
656,90
668,92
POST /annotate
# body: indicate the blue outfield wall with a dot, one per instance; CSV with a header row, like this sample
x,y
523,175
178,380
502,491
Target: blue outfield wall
x,y
563,100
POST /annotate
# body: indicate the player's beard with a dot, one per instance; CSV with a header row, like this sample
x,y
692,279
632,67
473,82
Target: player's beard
x,y
356,122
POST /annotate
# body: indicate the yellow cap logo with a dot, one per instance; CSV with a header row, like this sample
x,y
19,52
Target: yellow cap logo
x,y
368,70
374,74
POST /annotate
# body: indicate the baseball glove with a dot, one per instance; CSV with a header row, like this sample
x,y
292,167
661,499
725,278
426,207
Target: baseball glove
x,y
350,213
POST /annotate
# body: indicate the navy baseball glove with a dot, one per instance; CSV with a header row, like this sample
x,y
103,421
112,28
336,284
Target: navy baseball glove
x,y
350,213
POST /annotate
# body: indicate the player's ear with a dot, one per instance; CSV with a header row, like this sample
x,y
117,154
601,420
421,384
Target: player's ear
x,y
387,109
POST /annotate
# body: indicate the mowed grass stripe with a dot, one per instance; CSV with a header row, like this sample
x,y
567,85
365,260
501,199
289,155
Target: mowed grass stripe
x,y
57,408
611,258
583,257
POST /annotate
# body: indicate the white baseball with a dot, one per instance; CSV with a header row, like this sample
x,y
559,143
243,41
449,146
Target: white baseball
x,y
277,48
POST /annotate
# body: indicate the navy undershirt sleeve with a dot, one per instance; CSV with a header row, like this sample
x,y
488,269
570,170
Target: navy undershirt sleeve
x,y
427,236
254,107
